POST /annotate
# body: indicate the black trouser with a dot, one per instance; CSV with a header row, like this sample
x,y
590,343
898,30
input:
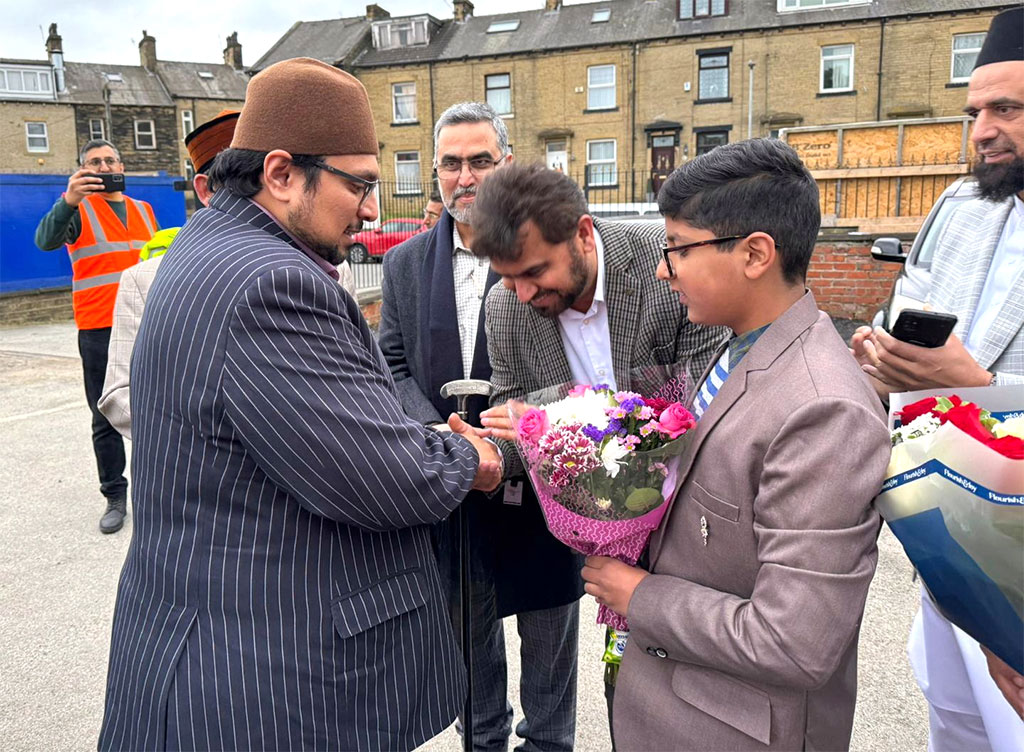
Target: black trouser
x,y
107,443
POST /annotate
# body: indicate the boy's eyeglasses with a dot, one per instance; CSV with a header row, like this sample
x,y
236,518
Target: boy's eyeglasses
x,y
669,249
365,185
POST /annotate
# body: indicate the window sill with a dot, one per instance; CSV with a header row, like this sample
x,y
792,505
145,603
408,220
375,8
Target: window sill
x,y
719,100
823,94
604,187
956,85
145,148
507,115
407,194
402,123
600,109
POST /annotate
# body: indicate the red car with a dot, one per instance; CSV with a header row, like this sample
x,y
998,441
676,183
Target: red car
x,y
373,244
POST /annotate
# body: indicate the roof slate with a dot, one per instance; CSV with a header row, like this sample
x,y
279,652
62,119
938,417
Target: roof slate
x,y
138,86
183,80
330,41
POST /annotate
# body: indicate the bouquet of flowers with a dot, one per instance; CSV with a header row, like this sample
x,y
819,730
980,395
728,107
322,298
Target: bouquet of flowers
x,y
954,497
604,464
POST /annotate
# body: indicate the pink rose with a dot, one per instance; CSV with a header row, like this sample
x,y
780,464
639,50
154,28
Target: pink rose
x,y
532,425
675,420
579,390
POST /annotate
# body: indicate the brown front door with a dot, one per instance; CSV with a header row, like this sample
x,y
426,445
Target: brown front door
x,y
663,160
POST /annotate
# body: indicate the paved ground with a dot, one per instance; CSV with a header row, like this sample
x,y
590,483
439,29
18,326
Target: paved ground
x,y
58,576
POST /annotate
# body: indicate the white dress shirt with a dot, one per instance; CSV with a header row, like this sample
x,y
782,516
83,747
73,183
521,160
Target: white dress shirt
x,y
1007,264
585,336
470,275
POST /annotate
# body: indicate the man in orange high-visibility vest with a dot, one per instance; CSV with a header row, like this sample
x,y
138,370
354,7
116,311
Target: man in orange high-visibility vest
x,y
104,232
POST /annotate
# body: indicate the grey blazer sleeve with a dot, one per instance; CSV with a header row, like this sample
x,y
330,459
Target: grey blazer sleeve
x,y
816,533
505,386
309,398
394,285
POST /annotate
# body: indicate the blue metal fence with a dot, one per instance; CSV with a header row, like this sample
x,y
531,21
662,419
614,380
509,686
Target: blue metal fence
x,y
24,199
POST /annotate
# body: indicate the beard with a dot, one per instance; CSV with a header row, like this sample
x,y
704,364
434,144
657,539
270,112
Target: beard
x,y
998,182
564,299
463,216
298,219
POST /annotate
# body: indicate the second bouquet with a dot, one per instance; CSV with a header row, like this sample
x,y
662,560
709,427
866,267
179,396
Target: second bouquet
x,y
605,464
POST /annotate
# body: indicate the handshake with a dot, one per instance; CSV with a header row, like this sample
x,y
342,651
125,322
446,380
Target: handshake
x,y
491,468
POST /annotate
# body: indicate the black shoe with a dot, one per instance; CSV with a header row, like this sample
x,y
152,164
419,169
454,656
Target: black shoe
x,y
113,519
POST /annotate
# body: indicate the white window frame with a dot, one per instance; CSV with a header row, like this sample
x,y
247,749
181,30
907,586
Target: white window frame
x,y
188,123
613,176
499,27
394,102
102,130
33,83
416,33
151,134
488,89
954,53
601,15
404,186
599,87
798,6
188,170
821,68
45,135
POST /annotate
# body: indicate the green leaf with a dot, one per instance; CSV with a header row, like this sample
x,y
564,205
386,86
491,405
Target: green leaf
x,y
644,499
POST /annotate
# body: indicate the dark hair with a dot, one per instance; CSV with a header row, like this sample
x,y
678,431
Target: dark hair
x,y
435,197
757,185
240,171
96,143
516,194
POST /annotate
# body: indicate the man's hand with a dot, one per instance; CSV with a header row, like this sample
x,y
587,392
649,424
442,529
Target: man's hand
x,y
80,185
488,473
904,367
611,582
1010,683
498,423
863,351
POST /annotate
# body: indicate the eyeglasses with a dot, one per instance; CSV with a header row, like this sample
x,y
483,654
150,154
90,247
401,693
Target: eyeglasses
x,y
477,165
666,250
428,213
97,162
365,185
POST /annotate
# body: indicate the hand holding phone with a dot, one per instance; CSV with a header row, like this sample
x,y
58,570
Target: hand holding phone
x,y
923,328
113,182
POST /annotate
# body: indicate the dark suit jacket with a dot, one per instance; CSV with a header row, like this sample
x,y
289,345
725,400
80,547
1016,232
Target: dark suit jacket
x,y
419,336
280,591
750,642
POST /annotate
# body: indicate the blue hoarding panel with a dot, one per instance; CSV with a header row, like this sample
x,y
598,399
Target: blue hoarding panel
x,y
24,199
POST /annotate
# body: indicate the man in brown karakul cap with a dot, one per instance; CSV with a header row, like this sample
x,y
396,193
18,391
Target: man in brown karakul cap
x,y
281,591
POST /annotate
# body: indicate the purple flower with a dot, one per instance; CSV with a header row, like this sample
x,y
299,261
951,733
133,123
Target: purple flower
x,y
600,387
594,433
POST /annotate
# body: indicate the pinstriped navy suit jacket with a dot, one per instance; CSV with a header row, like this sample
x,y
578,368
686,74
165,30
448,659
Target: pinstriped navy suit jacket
x,y
280,591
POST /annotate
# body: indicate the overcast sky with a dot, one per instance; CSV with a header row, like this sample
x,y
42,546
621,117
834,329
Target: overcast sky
x,y
109,32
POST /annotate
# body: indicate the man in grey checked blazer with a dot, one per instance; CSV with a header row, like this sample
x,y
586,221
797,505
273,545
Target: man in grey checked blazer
x,y
978,275
280,591
578,301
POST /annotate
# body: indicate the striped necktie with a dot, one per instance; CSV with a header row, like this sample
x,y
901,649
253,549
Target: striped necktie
x,y
711,385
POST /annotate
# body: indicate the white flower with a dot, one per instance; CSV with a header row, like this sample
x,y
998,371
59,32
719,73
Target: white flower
x,y
588,408
613,451
915,429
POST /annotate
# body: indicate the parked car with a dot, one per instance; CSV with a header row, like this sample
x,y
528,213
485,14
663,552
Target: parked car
x,y
910,289
373,244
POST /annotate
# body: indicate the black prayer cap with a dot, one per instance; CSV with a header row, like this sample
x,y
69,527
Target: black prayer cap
x,y
1005,39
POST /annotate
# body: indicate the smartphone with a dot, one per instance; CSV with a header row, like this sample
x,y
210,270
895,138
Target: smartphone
x,y
112,181
923,328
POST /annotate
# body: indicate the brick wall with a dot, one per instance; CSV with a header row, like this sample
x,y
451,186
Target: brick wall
x,y
846,281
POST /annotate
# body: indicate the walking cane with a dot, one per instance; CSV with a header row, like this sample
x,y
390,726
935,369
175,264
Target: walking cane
x,y
462,390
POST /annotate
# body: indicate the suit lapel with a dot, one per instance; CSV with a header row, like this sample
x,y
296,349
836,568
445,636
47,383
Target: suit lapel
x,y
622,300
974,266
547,339
1008,321
439,325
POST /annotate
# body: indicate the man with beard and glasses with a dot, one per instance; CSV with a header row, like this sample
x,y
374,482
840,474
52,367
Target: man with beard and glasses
x,y
977,274
280,591
578,301
431,332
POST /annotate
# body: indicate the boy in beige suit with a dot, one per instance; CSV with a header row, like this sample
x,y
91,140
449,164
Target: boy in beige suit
x,y
743,634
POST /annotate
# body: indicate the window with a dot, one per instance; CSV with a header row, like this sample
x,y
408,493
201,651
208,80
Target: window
x,y
37,137
837,68
965,51
402,33
791,5
708,140
403,99
601,15
189,171
407,172
601,87
713,81
601,169
497,27
187,123
96,128
145,134
701,8
26,83
113,77
205,74
499,92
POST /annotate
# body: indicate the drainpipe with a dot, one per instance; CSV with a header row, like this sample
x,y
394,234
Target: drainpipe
x,y
750,100
632,128
881,53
